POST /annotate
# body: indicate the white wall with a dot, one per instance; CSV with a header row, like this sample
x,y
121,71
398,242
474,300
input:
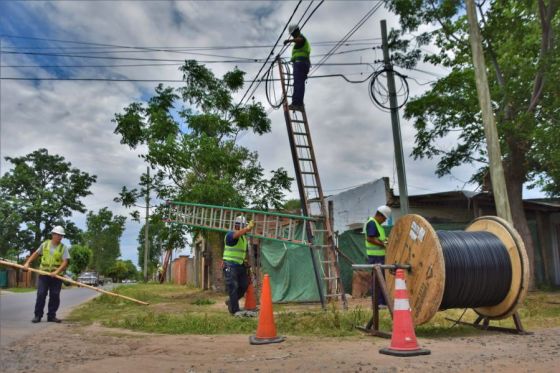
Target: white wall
x,y
357,205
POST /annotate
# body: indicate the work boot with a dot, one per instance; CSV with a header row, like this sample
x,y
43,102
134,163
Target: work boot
x,y
54,319
36,319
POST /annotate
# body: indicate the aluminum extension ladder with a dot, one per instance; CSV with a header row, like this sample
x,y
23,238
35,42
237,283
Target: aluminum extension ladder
x,y
268,225
311,194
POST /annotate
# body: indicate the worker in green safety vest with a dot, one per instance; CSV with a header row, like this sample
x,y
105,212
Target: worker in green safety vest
x,y
54,259
234,265
376,240
301,64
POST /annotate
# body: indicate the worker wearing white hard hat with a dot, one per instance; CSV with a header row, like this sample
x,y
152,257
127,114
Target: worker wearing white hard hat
x,y
301,63
54,259
376,240
235,253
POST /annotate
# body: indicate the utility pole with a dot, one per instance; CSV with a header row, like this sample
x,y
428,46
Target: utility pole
x,y
490,130
397,139
146,226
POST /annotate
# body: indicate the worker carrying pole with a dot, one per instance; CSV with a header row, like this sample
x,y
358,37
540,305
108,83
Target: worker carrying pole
x,y
70,281
301,64
54,259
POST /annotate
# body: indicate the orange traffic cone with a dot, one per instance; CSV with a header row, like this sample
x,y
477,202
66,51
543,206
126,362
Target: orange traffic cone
x,y
403,341
250,299
266,329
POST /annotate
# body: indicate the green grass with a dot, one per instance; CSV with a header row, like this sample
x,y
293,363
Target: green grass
x,y
181,310
20,290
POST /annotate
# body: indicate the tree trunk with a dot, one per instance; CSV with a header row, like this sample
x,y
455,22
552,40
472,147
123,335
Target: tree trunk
x,y
515,194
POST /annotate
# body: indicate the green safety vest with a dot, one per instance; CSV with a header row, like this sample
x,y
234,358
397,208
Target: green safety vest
x,y
302,53
371,249
50,262
236,253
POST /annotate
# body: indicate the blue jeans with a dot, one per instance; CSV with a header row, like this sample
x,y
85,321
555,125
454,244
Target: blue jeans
x,y
237,283
52,286
301,69
378,260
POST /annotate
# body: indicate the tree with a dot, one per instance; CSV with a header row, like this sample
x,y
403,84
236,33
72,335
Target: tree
x,y
163,237
122,269
45,191
103,236
524,63
80,257
194,149
12,238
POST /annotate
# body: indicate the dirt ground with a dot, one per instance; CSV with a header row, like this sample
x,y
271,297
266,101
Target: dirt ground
x,y
74,348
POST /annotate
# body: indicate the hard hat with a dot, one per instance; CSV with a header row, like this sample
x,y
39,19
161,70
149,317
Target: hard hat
x,y
293,28
58,230
241,220
385,211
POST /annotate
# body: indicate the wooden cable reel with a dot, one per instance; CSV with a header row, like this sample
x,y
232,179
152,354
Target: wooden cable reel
x,y
413,241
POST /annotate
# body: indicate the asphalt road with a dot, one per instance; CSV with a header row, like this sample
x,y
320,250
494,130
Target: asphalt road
x,y
16,312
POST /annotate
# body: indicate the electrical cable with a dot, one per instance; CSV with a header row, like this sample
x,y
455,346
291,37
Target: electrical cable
x,y
93,45
270,54
283,48
375,89
348,35
477,269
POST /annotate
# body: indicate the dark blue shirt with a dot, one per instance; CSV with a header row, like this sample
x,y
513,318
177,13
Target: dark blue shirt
x,y
230,241
371,229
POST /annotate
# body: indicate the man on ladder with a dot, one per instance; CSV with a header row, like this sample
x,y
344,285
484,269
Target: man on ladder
x,y
235,272
300,60
376,240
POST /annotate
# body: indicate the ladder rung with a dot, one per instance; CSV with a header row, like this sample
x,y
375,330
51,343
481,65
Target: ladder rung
x,y
298,121
300,133
303,146
305,159
333,295
330,278
310,186
307,173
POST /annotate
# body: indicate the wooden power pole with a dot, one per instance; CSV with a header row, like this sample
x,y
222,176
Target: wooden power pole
x,y
147,226
490,130
397,139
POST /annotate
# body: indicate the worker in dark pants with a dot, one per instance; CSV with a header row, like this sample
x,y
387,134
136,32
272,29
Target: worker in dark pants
x,y
54,259
376,241
301,64
235,271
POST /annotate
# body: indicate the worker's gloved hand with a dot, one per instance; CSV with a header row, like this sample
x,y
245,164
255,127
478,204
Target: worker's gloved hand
x,y
286,41
251,225
386,242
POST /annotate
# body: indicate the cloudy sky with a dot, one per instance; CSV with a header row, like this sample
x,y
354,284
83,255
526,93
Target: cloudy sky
x,y
64,40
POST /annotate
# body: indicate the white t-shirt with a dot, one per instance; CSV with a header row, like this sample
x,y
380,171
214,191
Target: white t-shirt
x,y
65,254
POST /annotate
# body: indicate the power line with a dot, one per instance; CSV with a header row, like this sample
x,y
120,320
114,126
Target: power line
x,y
169,64
271,52
158,80
95,45
232,60
281,51
348,35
